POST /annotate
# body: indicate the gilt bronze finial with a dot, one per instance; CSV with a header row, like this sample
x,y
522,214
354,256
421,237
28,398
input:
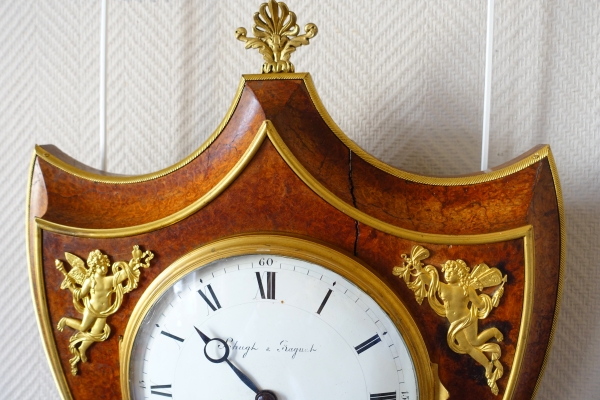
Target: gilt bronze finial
x,y
276,36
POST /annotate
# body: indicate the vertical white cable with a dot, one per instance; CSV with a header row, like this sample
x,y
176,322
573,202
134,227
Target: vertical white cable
x,y
103,86
487,94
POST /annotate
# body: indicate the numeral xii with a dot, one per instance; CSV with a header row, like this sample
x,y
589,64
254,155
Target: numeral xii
x,y
270,285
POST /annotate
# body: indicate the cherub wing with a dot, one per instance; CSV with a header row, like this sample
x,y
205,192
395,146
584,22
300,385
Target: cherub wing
x,y
484,276
78,270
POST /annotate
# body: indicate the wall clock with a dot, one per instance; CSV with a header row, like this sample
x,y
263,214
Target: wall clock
x,y
280,260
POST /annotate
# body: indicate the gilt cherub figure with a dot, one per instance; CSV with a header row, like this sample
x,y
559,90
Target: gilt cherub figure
x,y
97,295
459,302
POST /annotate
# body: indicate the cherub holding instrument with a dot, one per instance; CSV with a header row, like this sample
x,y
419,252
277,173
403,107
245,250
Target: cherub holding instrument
x,y
97,295
460,304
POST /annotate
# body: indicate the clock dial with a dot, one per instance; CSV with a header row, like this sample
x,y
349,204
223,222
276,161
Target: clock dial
x,y
291,327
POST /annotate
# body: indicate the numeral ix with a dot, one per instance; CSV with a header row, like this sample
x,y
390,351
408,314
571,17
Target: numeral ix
x,y
152,391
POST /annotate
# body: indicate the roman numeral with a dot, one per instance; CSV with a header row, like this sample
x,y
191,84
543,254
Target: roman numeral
x,y
324,301
367,344
211,305
270,285
383,396
167,334
152,391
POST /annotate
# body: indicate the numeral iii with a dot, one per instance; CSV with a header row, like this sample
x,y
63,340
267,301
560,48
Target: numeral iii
x,y
383,396
367,344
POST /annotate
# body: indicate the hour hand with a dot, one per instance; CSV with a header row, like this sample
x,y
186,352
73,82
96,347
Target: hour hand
x,y
205,338
260,394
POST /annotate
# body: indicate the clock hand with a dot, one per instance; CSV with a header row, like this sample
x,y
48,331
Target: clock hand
x,y
260,394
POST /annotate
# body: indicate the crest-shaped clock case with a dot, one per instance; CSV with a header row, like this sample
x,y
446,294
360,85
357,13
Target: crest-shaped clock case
x,y
475,261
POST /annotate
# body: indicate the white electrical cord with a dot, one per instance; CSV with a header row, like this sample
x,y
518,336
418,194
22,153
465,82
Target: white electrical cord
x,y
487,93
103,86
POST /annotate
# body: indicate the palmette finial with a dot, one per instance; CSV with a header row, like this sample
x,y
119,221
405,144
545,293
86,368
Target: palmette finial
x,y
276,36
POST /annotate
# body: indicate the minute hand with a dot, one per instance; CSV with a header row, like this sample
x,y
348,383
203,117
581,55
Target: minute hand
x,y
239,373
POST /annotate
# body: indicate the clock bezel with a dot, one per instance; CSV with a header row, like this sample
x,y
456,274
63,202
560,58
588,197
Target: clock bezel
x,y
306,249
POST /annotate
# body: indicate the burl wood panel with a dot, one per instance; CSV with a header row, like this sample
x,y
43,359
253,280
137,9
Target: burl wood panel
x,y
307,135
78,202
543,215
268,196
456,210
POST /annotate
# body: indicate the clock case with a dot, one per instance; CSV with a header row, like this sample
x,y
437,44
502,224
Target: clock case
x,y
279,164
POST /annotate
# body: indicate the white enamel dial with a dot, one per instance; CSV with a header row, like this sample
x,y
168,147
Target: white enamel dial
x,y
292,327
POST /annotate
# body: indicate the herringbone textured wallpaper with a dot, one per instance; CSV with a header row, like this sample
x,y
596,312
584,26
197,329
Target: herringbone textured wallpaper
x,y
404,79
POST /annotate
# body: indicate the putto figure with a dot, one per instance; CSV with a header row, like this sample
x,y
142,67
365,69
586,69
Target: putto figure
x,y
97,295
459,302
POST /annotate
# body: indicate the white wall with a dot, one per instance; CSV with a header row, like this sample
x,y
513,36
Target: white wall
x,y
404,79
